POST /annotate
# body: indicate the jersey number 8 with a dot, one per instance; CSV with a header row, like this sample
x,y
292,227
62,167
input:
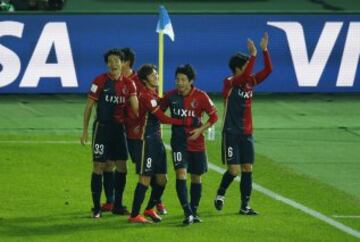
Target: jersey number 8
x,y
148,162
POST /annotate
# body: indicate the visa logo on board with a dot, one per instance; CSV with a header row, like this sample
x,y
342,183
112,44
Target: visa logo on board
x,y
308,69
54,35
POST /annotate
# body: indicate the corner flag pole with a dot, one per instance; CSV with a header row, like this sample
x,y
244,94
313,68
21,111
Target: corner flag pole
x,y
164,26
161,63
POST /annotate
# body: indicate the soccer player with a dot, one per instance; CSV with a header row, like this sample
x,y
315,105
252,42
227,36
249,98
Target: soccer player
x,y
127,68
132,122
149,154
132,131
237,141
188,144
110,92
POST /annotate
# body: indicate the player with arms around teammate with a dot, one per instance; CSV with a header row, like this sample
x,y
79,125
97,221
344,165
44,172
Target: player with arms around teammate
x,y
110,92
237,142
188,144
150,154
132,122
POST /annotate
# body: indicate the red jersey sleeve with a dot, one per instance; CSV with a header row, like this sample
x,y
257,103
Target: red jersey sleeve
x,y
165,119
261,75
96,88
209,108
152,105
138,83
227,86
131,87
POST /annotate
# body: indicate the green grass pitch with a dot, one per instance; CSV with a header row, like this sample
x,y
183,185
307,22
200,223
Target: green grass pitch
x,y
307,150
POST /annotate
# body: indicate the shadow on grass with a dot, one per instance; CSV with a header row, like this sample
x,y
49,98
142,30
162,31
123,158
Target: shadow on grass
x,y
69,223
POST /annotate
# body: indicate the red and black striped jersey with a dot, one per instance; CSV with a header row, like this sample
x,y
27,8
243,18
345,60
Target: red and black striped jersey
x,y
150,115
111,97
238,93
193,105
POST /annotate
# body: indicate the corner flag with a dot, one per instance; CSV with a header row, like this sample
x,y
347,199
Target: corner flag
x,y
164,24
163,27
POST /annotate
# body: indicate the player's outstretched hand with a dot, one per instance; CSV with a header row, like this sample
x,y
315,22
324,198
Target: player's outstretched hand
x,y
251,47
84,138
264,41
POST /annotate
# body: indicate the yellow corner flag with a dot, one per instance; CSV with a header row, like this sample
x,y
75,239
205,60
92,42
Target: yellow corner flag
x,y
163,27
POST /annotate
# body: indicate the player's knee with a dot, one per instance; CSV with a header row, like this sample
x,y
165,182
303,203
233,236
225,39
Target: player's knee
x,y
181,174
109,166
98,168
145,180
161,180
246,167
195,179
234,170
121,166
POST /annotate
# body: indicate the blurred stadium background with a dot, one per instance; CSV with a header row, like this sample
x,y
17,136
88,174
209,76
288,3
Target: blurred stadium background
x,y
306,117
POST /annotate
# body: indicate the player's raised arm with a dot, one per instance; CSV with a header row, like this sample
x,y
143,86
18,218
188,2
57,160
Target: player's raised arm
x,y
261,75
264,42
252,48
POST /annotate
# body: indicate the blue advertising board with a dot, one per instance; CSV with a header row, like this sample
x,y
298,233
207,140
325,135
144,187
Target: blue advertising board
x,y
64,53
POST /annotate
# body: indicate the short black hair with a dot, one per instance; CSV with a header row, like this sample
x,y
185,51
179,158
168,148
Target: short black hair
x,y
145,70
238,60
114,51
187,70
129,55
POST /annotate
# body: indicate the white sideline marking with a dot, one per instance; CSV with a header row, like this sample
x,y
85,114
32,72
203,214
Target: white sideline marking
x,y
345,216
256,187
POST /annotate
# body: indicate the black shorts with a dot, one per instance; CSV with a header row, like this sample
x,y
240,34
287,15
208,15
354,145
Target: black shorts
x,y
237,149
153,158
135,149
109,142
195,162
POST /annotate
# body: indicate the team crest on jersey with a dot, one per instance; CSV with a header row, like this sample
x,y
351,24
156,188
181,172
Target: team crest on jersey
x,y
125,90
193,104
